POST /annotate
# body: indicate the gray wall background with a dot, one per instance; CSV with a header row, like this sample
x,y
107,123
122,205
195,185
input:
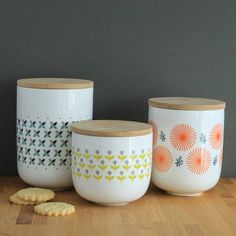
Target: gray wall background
x,y
132,49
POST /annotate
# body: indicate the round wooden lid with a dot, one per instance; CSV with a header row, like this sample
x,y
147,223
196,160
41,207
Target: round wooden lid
x,y
54,83
187,103
111,128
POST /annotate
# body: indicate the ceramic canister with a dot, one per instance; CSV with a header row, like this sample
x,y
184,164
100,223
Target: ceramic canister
x,y
46,108
111,160
188,143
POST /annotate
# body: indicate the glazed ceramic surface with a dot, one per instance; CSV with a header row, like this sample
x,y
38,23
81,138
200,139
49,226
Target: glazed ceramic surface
x,y
44,117
111,170
188,149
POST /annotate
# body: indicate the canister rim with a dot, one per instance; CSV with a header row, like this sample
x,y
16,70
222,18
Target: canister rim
x,y
187,103
111,128
54,83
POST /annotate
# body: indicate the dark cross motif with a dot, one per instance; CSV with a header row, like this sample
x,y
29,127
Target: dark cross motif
x,y
65,125
62,162
24,140
18,140
68,153
36,152
53,143
21,150
32,142
57,153
36,133
24,123
18,157
41,143
179,161
32,161
47,134
69,134
28,131
21,131
46,153
58,134
32,124
53,125
27,151
42,125
162,136
24,159
41,162
64,143
51,162
18,122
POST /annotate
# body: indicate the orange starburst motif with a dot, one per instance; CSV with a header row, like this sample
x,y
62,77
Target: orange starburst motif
x,y
162,158
183,137
216,136
154,130
199,161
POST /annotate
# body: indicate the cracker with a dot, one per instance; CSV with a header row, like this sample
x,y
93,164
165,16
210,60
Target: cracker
x,y
54,209
35,194
13,198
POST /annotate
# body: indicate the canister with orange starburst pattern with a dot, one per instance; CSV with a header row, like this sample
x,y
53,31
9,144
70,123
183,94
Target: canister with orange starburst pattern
x,y
187,143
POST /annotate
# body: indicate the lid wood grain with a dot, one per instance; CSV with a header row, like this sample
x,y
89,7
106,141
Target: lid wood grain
x,y
111,128
187,103
54,83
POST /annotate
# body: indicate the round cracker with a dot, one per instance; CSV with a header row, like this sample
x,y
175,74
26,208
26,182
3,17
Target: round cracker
x,y
54,209
14,199
35,194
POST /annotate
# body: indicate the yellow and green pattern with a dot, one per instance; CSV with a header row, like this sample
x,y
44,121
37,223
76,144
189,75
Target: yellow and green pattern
x,y
109,166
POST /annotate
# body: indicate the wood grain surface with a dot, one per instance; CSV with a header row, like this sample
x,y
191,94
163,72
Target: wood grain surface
x,y
111,128
187,103
54,83
213,213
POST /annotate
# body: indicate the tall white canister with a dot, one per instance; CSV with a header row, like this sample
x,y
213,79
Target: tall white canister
x,y
46,108
188,143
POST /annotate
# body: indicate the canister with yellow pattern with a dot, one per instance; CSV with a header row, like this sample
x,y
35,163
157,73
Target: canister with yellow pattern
x,y
111,160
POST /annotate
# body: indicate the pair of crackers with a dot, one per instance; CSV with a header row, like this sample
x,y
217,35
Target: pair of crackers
x,y
32,196
38,197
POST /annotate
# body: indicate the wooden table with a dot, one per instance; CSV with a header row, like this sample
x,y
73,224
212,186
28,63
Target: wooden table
x,y
213,213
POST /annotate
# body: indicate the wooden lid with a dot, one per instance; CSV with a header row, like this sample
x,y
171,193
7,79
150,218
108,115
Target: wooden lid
x,y
111,128
186,103
54,83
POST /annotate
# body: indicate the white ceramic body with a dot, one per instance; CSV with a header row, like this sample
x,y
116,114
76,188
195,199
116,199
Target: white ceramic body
x,y
192,165
44,117
111,170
